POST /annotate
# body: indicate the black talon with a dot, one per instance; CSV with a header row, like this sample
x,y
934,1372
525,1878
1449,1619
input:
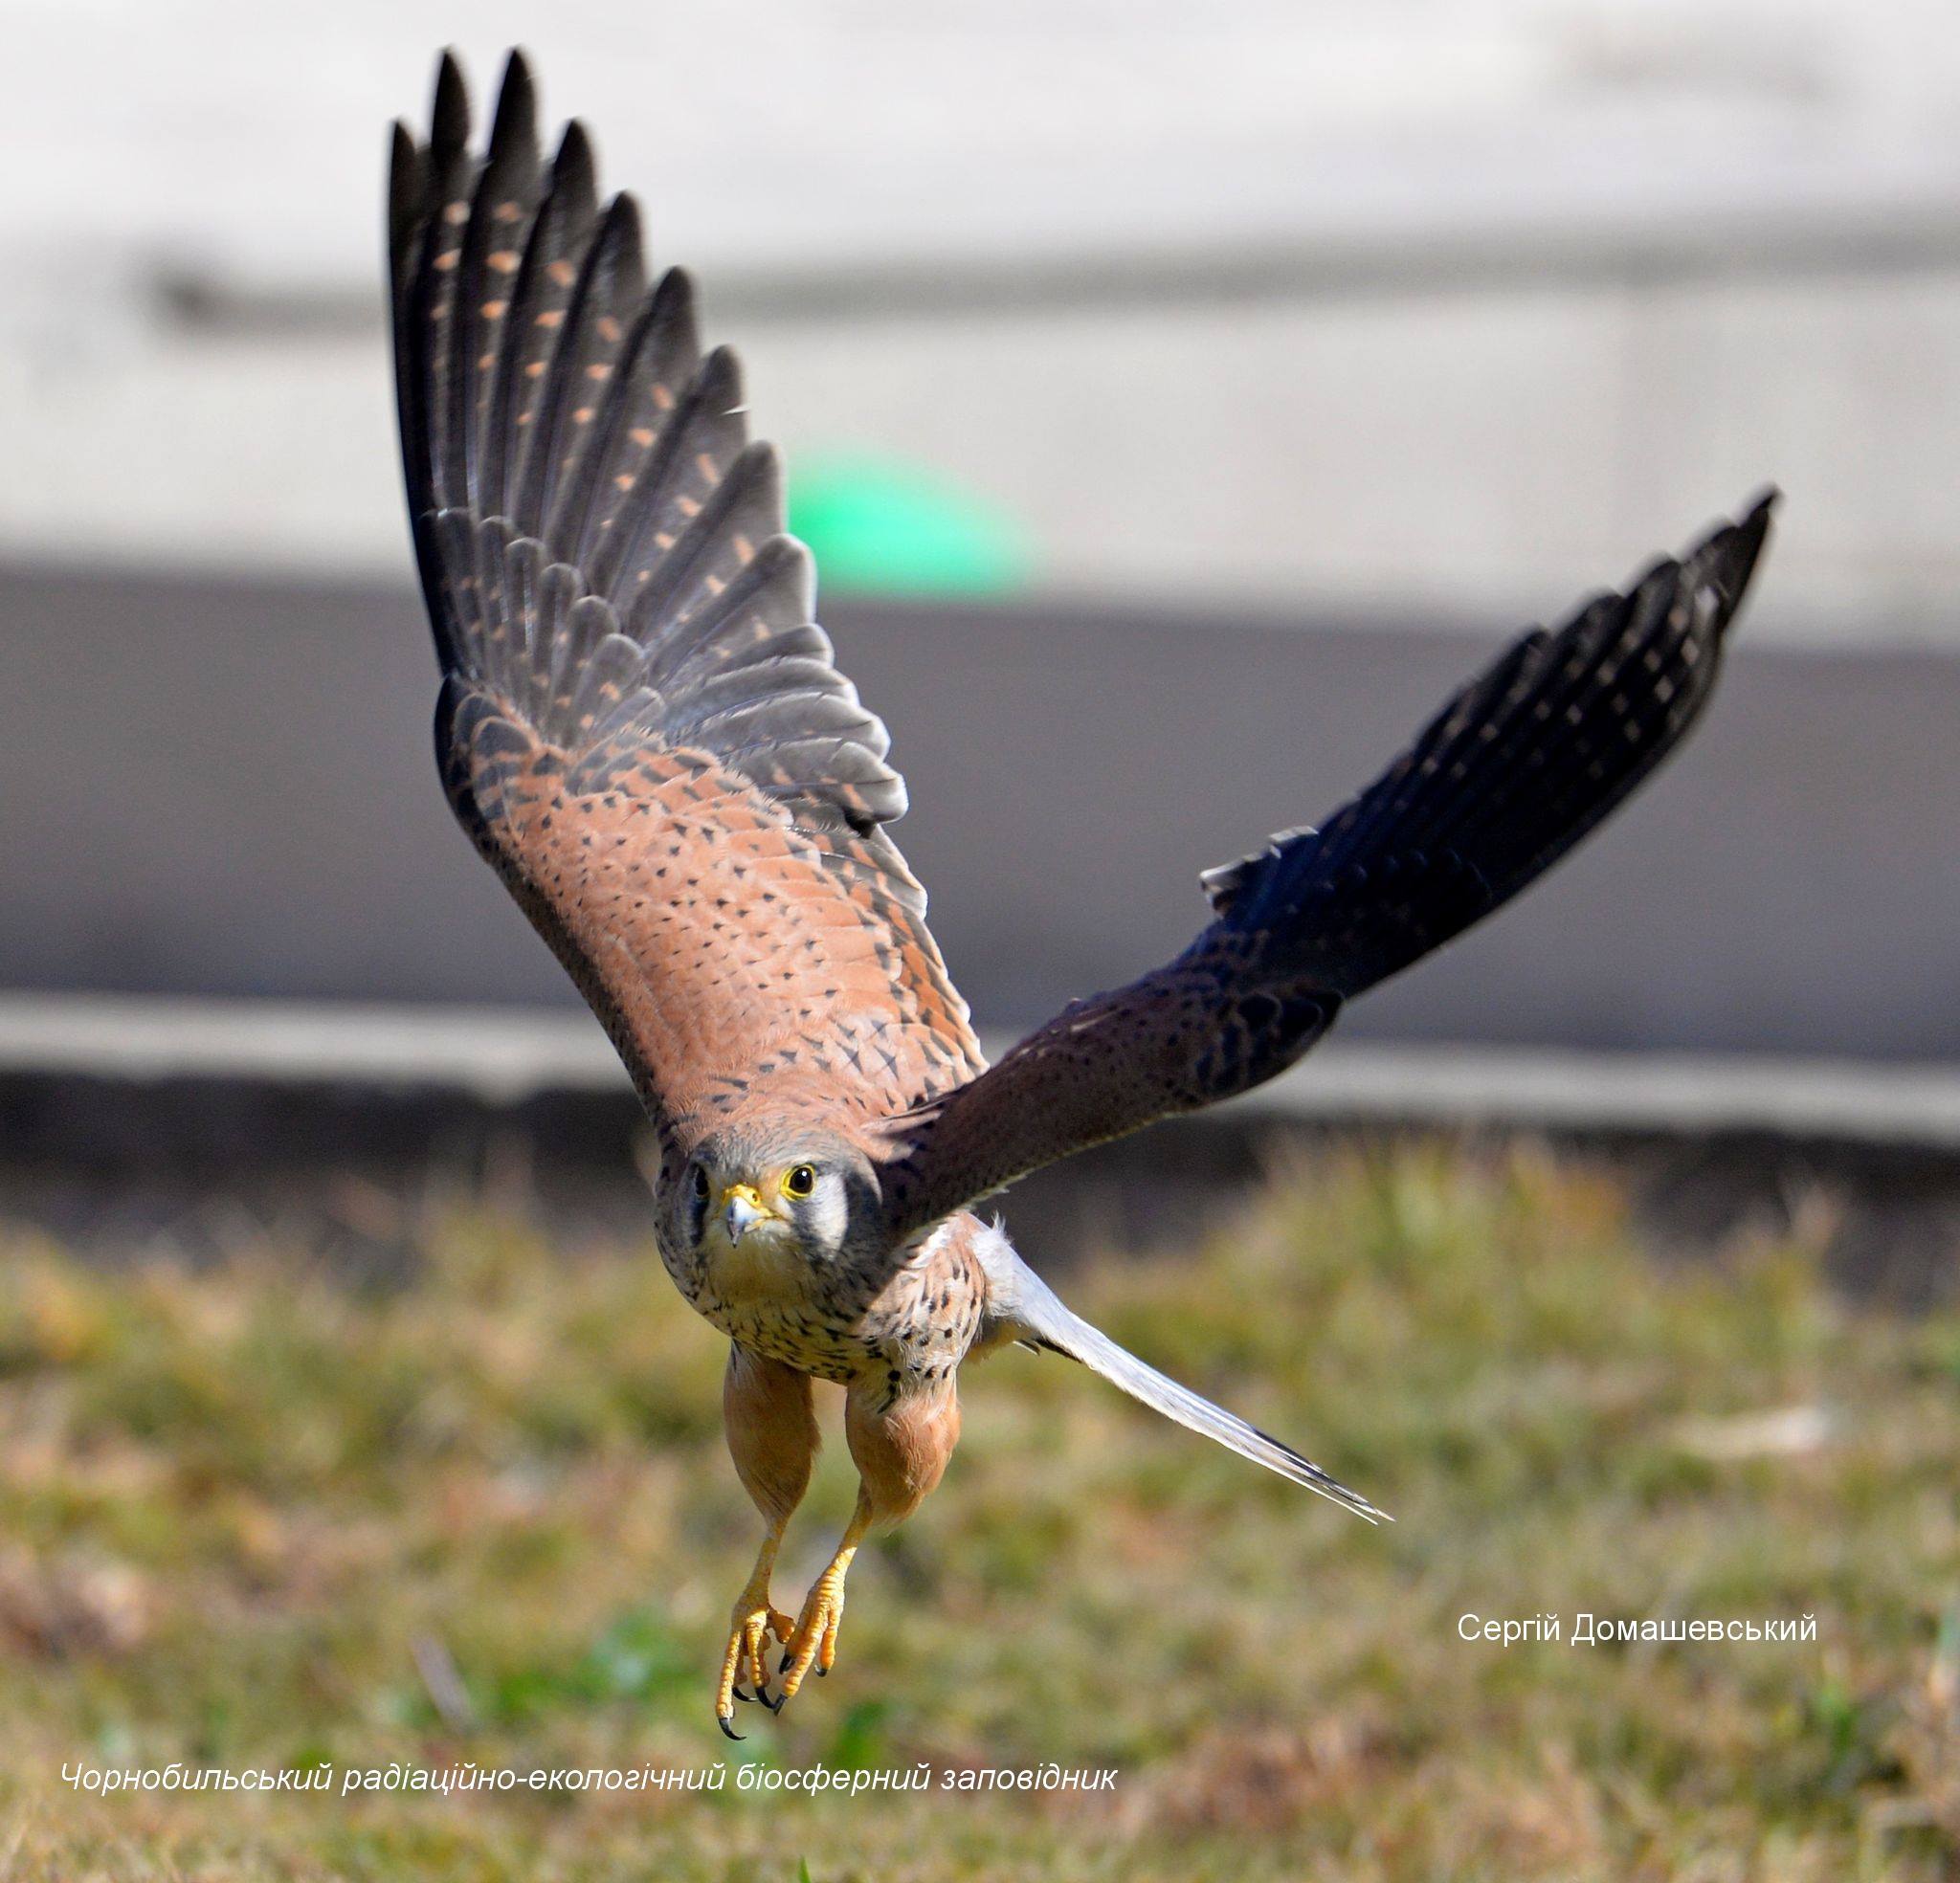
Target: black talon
x,y
823,1674
774,1705
739,1694
726,1722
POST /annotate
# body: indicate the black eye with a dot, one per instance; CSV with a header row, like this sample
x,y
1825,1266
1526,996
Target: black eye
x,y
799,1181
700,1185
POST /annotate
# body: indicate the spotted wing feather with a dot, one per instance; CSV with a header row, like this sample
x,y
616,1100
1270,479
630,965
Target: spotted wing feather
x,y
1513,772
642,726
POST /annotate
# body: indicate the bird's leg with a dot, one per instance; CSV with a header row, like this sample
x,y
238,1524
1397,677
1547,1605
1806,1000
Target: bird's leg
x,y
772,1438
753,1619
901,1441
815,1641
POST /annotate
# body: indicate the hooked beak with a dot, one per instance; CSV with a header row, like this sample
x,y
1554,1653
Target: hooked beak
x,y
742,1209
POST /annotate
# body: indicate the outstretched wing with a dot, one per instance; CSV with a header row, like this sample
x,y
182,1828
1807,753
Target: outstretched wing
x,y
1506,779
640,725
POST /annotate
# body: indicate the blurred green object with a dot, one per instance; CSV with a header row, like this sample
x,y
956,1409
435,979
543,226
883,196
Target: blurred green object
x,y
880,524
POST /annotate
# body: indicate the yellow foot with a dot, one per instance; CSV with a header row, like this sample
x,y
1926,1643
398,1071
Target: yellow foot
x,y
814,1643
749,1628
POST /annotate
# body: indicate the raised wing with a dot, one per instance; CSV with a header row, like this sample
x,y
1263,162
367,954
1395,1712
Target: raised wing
x,y
640,725
1505,781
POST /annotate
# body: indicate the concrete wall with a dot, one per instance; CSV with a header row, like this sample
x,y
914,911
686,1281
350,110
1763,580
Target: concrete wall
x,y
228,787
1473,451
1416,306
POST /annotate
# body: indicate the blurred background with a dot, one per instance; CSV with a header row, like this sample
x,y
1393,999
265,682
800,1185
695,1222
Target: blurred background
x,y
1180,402
1180,405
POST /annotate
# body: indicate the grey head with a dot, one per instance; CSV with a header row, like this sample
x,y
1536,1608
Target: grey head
x,y
773,1189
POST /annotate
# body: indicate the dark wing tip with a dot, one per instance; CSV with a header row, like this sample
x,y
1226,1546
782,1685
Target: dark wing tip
x,y
1727,557
449,116
618,245
518,85
1451,830
761,461
406,197
785,558
575,166
515,126
677,284
621,237
720,377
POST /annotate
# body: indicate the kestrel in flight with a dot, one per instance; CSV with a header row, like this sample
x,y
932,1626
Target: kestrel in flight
x,y
643,730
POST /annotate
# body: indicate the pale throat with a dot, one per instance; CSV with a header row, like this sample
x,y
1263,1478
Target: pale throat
x,y
757,1268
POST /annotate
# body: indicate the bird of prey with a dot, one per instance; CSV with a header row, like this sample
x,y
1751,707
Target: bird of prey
x,y
646,735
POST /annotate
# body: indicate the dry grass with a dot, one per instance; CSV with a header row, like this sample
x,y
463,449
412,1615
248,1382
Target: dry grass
x,y
237,1503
